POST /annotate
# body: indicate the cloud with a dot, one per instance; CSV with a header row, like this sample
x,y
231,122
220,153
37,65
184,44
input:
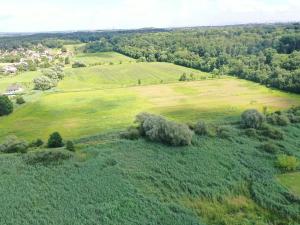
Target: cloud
x,y
54,15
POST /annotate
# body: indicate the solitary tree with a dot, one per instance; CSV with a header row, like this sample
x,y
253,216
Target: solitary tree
x,y
6,106
55,140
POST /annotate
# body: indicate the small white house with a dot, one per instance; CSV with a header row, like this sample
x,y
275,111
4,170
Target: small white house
x,y
10,69
13,89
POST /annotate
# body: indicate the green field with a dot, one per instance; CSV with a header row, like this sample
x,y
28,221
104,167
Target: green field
x,y
80,113
109,180
101,57
25,79
123,75
291,181
107,97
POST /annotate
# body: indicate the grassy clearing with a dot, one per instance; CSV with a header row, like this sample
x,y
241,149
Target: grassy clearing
x,y
233,210
25,79
101,57
291,181
81,113
123,75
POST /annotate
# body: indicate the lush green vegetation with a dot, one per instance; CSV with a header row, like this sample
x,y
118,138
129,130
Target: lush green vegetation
x,y
268,54
80,113
231,165
112,181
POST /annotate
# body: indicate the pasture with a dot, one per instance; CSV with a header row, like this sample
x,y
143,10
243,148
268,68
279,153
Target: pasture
x,y
87,112
101,58
124,75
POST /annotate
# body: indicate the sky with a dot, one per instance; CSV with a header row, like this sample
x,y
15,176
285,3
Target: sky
x,y
69,15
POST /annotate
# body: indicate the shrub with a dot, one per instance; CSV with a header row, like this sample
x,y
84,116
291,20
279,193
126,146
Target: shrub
x,y
43,83
224,132
78,65
37,143
20,100
293,118
201,128
276,119
251,132
55,140
13,145
132,133
252,119
269,147
287,163
67,60
271,132
6,106
48,157
70,146
183,77
157,128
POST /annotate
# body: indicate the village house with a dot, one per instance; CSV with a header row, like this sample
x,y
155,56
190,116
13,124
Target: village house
x,y
10,69
13,89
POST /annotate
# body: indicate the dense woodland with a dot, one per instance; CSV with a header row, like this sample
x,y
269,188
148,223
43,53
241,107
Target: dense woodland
x,y
268,54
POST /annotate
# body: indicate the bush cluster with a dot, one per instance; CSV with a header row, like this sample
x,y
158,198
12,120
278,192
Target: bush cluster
x,y
37,143
278,119
132,133
78,65
20,100
158,129
269,147
49,79
13,145
47,157
251,118
224,132
271,132
287,163
70,146
43,83
201,128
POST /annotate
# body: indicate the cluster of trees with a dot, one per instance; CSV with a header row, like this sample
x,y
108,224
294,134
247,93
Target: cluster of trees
x,y
13,144
266,54
49,79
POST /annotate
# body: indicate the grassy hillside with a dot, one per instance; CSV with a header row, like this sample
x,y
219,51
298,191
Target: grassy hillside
x,y
101,58
114,181
122,75
79,113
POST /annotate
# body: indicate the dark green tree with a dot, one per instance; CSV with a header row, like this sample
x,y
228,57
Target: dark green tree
x,y
55,141
6,105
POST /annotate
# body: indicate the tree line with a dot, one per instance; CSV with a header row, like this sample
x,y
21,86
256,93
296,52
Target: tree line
x,y
265,53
